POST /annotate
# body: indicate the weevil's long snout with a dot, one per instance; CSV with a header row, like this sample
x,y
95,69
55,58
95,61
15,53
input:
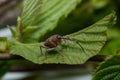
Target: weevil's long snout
x,y
65,37
59,37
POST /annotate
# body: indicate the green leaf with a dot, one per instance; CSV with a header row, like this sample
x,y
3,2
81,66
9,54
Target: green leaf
x,y
46,16
28,51
3,45
68,52
108,70
30,12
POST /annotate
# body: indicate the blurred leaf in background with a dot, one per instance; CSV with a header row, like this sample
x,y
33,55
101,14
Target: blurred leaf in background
x,y
4,67
108,70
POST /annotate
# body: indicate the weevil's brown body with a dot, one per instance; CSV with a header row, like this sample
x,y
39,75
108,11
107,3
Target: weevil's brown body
x,y
53,41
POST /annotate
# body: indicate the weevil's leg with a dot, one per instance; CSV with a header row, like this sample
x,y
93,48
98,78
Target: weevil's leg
x,y
41,53
46,53
60,54
80,46
50,49
40,50
47,50
64,40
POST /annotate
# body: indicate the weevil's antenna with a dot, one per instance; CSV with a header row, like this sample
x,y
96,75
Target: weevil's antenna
x,y
80,46
66,37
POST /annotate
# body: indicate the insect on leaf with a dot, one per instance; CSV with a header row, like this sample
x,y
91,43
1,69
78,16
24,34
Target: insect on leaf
x,y
91,39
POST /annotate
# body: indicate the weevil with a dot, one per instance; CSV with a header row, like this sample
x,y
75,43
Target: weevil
x,y
53,41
